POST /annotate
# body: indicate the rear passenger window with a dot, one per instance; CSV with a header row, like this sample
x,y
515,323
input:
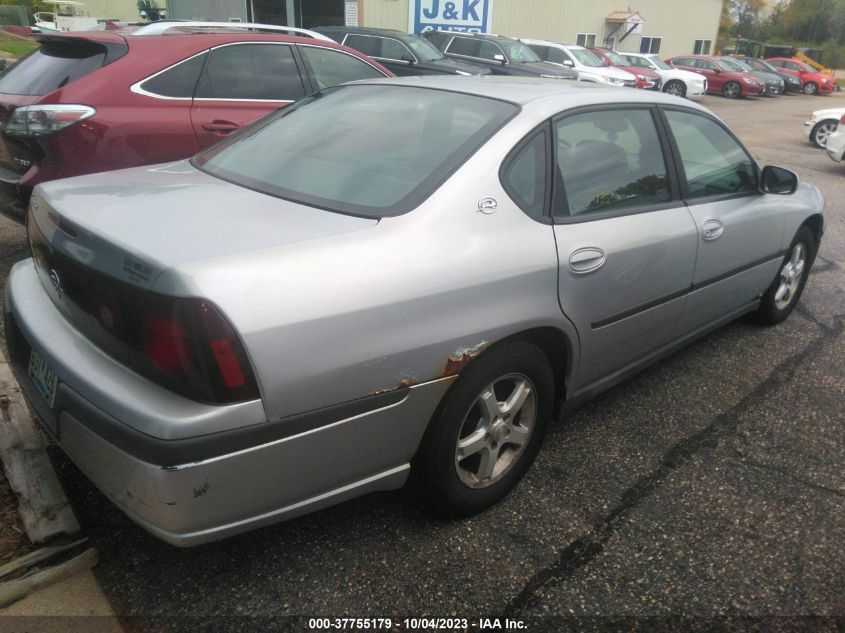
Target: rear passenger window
x,y
365,44
714,163
609,160
331,68
251,71
524,176
465,46
178,81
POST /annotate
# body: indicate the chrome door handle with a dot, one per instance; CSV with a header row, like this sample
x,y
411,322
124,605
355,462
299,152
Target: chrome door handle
x,y
712,230
587,259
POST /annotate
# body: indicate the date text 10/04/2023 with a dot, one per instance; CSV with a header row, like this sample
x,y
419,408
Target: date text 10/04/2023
x,y
417,624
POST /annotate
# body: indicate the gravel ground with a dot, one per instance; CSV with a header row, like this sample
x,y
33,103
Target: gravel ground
x,y
710,488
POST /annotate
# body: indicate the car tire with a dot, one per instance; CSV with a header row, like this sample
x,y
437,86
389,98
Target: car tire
x,y
783,295
811,88
468,460
732,90
676,88
822,130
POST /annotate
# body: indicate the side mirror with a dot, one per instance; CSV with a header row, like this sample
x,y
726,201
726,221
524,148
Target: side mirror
x,y
778,180
408,58
568,62
500,58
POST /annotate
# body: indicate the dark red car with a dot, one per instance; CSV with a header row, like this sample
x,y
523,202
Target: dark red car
x,y
102,100
812,82
721,79
646,78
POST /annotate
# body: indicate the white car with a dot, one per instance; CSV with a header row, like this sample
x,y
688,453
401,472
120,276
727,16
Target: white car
x,y
822,124
588,65
681,83
835,145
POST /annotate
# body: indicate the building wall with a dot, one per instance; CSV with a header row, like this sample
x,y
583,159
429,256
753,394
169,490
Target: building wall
x,y
678,22
208,10
124,10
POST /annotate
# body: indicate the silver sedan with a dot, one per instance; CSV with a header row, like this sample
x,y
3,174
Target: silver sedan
x,y
389,280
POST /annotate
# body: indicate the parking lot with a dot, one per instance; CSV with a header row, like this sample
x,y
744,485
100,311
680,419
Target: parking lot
x,y
711,485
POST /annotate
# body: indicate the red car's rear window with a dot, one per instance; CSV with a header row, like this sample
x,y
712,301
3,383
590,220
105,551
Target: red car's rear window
x,y
53,66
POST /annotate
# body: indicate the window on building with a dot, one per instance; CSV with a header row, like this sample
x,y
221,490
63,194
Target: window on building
x,y
610,42
586,39
650,44
701,47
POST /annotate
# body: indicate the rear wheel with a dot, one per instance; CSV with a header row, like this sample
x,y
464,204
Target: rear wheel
x,y
783,295
811,88
487,430
675,88
732,90
822,130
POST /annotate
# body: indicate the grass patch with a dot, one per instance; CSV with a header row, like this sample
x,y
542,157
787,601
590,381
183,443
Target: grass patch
x,y
17,46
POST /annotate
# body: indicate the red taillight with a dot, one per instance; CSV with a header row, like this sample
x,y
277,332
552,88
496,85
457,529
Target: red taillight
x,y
167,345
189,346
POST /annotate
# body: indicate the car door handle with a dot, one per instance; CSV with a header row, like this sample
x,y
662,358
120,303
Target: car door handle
x,y
220,127
587,259
712,230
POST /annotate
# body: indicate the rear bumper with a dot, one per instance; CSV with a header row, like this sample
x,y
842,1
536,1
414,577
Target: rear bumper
x,y
194,489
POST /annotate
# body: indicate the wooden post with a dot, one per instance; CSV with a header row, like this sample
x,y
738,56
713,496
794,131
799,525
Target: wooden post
x,y
42,505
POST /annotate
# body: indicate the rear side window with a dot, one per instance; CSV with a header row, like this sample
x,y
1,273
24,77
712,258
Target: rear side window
x,y
364,43
609,160
331,68
251,71
524,176
465,46
714,163
179,81
55,65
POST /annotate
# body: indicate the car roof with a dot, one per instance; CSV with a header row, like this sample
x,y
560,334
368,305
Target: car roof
x,y
525,90
362,30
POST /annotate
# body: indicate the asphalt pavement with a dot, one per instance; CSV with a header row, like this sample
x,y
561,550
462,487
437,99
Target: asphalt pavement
x,y
709,488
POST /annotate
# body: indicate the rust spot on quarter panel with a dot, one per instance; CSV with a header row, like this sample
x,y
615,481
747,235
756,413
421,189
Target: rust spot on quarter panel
x,y
461,358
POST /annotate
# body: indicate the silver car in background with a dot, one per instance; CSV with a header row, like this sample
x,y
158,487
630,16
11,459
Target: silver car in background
x,y
391,279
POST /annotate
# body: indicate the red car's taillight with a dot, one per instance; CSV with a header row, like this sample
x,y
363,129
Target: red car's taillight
x,y
43,120
188,346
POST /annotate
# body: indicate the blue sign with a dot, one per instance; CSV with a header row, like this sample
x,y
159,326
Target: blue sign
x,y
450,15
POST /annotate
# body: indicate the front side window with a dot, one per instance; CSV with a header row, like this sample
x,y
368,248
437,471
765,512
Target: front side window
x,y
609,160
524,176
701,47
488,51
650,44
366,44
368,149
251,71
332,68
425,51
394,49
585,39
713,161
585,57
519,53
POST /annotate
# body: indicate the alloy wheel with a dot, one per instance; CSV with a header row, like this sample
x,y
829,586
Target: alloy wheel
x,y
675,88
496,430
810,88
732,90
823,131
790,276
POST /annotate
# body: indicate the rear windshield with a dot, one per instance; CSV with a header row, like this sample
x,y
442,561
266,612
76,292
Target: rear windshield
x,y
53,66
370,150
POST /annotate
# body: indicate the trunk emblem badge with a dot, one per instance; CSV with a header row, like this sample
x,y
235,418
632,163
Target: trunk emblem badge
x,y
487,205
56,281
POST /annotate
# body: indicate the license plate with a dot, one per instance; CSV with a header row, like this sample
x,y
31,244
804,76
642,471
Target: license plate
x,y
44,378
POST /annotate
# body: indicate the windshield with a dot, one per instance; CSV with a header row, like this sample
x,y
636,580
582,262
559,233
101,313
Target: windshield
x,y
654,59
616,59
423,49
639,62
519,53
371,150
731,64
725,64
586,58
